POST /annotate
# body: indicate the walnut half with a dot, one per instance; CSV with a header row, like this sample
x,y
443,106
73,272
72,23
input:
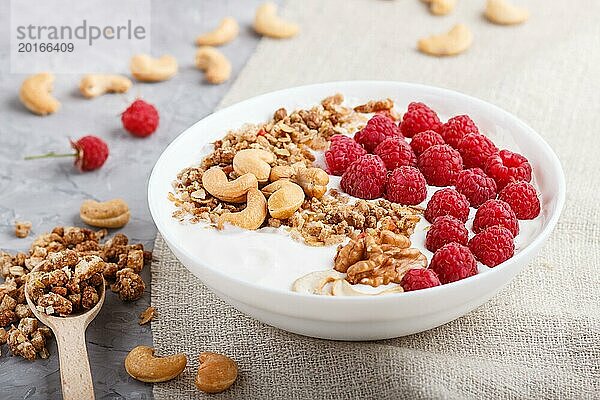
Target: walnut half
x,y
378,258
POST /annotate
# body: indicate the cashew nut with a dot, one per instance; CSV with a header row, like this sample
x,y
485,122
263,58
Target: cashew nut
x,y
109,214
341,287
285,198
227,30
216,67
147,69
143,365
312,180
216,372
333,283
455,41
216,183
250,217
440,7
315,282
254,161
503,13
36,94
96,85
268,23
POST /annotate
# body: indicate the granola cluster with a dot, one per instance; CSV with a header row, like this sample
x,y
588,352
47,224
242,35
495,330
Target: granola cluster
x,y
291,137
377,258
333,218
72,262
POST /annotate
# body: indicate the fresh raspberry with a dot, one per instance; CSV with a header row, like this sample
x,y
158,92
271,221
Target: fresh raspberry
x,y
377,130
419,118
406,185
419,278
522,198
476,186
424,140
495,212
456,128
447,201
440,164
446,229
365,178
91,153
453,262
342,152
506,167
493,246
395,152
475,149
140,118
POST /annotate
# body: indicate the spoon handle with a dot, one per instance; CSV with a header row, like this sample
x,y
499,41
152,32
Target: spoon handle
x,y
75,373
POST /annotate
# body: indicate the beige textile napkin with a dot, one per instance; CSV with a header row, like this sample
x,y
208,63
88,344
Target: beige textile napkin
x,y
540,336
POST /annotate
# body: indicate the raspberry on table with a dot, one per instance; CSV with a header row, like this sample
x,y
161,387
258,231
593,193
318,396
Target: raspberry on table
x,y
342,152
424,140
378,128
453,262
475,149
506,166
440,164
476,186
395,152
456,128
140,118
493,246
495,212
91,153
406,185
522,198
419,118
419,278
447,201
446,229
365,178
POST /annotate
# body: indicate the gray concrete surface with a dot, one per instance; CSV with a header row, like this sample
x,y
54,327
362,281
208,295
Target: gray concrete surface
x,y
49,192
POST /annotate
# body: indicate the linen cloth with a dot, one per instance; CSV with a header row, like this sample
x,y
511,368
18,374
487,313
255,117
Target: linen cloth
x,y
540,336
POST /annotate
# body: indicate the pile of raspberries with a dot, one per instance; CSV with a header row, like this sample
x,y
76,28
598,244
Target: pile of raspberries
x,y
398,161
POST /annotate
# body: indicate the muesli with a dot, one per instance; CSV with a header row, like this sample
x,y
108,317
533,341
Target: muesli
x,y
279,174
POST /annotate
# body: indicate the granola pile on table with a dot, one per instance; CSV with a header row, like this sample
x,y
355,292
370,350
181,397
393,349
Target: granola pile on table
x,y
72,262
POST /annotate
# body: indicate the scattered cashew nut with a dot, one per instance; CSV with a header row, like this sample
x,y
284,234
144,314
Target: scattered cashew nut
x,y
312,180
454,42
143,365
216,372
227,30
285,198
94,85
254,161
147,69
216,67
251,217
216,183
440,7
503,13
268,23
36,94
109,214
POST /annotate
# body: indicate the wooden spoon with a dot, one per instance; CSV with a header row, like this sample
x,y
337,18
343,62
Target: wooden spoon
x,y
75,373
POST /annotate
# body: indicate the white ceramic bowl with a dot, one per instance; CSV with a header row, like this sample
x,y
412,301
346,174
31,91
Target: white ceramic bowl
x,y
347,318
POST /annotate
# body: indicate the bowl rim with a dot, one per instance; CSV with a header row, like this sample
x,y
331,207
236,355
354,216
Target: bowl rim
x,y
338,86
